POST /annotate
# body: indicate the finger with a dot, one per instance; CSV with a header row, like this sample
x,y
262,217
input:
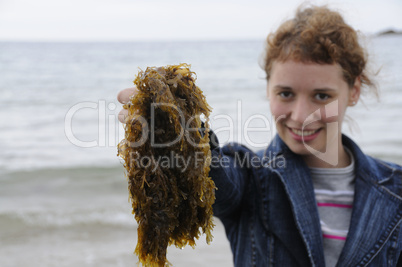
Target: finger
x,y
122,115
124,95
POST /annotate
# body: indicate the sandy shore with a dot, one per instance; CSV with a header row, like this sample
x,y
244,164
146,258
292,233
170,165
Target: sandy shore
x,y
82,217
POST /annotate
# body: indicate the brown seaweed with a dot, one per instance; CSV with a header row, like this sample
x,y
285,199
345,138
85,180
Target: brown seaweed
x,y
167,156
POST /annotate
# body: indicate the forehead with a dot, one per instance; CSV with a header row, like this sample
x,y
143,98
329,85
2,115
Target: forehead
x,y
297,74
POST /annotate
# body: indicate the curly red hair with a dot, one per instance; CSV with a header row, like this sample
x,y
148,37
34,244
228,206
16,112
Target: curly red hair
x,y
320,35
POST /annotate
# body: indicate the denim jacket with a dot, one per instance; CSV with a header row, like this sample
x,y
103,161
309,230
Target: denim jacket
x,y
267,204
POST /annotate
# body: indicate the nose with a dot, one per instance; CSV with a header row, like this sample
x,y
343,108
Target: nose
x,y
303,112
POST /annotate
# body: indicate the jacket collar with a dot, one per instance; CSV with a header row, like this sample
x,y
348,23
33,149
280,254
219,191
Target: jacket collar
x,y
373,202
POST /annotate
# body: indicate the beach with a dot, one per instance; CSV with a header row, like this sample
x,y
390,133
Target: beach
x,y
81,217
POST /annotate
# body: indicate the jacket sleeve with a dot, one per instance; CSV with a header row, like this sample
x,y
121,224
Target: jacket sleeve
x,y
230,171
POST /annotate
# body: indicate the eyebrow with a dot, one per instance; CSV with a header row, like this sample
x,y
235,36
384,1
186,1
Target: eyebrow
x,y
282,87
288,88
325,89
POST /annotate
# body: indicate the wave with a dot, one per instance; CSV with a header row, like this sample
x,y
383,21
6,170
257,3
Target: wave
x,y
65,197
66,219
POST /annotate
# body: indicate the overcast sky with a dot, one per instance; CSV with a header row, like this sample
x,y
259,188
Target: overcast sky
x,y
131,20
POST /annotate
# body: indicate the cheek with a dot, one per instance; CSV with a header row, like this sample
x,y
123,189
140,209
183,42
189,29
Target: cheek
x,y
333,112
277,109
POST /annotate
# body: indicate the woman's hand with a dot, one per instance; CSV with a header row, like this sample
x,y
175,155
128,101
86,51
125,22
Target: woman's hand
x,y
123,97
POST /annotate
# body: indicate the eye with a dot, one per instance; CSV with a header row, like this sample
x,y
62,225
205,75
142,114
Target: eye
x,y
285,94
322,96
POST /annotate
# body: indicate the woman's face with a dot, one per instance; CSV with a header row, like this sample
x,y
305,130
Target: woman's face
x,y
308,102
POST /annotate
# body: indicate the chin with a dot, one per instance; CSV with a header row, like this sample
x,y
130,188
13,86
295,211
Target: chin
x,y
300,149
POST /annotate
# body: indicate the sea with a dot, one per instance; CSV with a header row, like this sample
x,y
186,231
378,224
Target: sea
x,y
63,193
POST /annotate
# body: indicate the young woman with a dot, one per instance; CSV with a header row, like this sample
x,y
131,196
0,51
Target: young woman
x,y
314,199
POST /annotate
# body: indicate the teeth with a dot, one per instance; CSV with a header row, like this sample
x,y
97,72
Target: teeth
x,y
303,133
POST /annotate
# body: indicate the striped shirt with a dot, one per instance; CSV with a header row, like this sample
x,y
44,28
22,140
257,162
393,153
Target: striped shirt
x,y
334,191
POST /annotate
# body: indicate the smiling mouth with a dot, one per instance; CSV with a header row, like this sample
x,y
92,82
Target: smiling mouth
x,y
304,133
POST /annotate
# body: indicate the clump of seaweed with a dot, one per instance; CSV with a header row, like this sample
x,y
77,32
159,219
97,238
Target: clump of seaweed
x,y
166,155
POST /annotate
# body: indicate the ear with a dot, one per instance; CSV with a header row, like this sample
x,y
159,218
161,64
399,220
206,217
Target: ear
x,y
354,92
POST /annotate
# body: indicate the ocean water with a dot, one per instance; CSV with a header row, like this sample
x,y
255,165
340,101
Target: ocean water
x,y
63,194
